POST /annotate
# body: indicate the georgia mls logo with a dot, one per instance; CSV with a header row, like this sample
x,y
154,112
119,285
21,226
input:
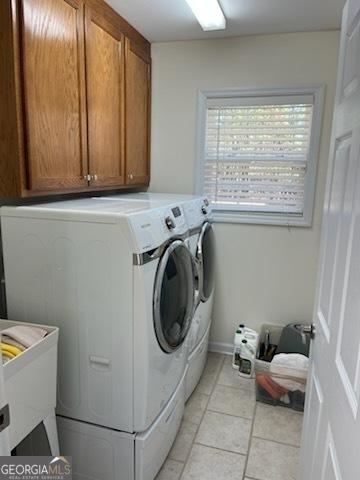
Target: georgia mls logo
x,y
59,466
35,468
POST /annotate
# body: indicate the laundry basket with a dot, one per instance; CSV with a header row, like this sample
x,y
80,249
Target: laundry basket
x,y
277,383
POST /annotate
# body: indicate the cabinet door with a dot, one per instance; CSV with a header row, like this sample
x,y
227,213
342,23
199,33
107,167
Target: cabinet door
x,y
105,100
54,88
137,70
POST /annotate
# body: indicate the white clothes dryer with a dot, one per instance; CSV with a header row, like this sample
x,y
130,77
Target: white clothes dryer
x,y
118,279
202,245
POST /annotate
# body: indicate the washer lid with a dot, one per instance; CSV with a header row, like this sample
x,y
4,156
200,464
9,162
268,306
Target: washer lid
x,y
174,291
205,256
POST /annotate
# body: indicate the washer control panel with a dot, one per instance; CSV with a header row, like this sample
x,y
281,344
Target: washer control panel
x,y
174,219
151,229
170,223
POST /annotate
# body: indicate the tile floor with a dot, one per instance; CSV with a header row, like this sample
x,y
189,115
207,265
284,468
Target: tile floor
x,y
226,435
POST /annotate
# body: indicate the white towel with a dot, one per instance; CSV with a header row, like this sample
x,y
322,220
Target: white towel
x,y
23,334
290,370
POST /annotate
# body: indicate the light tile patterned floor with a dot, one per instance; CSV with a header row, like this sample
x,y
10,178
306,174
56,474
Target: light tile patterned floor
x,y
226,435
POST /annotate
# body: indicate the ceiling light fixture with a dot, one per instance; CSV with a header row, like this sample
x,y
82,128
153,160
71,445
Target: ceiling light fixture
x,y
208,14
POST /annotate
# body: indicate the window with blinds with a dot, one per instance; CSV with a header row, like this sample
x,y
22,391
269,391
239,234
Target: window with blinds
x,y
257,152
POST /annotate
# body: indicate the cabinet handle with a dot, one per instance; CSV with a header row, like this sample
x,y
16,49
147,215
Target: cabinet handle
x,y
131,176
89,178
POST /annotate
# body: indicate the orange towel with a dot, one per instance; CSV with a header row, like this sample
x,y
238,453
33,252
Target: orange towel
x,y
268,384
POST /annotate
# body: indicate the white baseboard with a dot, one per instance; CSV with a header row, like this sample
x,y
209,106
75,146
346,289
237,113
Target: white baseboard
x,y
218,347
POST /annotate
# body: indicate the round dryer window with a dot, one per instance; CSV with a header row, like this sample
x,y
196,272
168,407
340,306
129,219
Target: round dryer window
x,y
174,296
206,261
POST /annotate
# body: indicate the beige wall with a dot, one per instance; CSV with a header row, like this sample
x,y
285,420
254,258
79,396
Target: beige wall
x,y
264,273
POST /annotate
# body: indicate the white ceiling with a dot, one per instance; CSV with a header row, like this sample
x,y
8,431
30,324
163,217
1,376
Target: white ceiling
x,y
167,20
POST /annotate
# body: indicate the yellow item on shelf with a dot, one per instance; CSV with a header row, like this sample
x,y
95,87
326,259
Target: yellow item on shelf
x,y
7,354
5,347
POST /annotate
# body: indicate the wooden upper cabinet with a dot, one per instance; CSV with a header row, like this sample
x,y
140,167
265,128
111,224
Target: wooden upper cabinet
x,y
52,35
74,98
137,88
105,99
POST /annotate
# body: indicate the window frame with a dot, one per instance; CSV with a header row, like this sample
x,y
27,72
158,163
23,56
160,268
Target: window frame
x,y
305,220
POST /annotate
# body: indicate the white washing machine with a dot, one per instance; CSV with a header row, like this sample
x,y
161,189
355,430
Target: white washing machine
x,y
118,279
202,245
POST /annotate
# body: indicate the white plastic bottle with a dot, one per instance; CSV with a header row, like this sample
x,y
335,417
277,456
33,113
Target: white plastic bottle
x,y
237,347
247,358
243,333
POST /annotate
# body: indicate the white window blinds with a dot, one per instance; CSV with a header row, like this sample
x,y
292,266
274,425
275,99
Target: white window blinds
x,y
257,152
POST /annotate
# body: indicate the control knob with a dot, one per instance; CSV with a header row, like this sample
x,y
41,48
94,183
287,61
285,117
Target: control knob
x,y
169,223
204,210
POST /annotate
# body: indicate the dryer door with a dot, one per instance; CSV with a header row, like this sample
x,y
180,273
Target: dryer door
x,y
205,256
174,296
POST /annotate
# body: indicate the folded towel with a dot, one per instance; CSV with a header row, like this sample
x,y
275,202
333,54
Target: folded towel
x,y
23,334
10,348
10,341
290,371
6,354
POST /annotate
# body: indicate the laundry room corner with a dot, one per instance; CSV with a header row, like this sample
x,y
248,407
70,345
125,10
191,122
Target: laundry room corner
x,y
265,273
179,225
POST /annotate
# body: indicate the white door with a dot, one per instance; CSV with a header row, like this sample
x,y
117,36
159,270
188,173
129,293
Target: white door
x,y
331,437
4,413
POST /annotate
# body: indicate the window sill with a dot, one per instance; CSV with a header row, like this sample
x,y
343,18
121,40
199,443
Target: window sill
x,y
261,219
